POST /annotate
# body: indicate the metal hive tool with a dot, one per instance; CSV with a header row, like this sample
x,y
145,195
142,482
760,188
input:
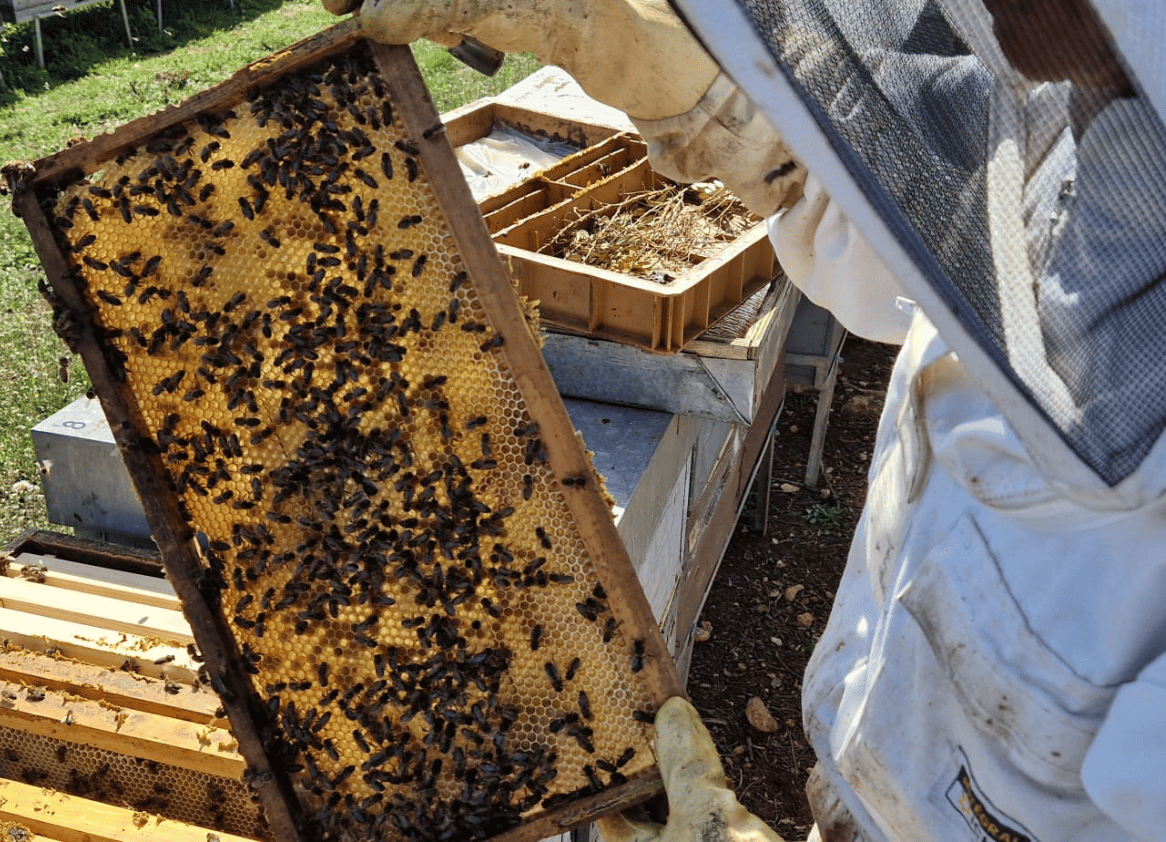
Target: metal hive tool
x,y
410,592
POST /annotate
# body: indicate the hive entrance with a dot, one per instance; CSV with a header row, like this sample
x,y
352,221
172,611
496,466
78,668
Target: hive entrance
x,y
439,633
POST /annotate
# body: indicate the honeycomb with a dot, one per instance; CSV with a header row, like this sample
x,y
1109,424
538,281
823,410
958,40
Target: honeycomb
x,y
131,782
276,287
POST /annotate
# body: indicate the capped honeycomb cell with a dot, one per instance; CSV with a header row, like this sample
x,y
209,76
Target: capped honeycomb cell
x,y
304,350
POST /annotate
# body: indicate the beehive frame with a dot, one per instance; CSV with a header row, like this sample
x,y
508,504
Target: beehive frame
x,y
587,568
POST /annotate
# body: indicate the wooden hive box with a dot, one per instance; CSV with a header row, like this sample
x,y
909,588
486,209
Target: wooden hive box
x,y
106,732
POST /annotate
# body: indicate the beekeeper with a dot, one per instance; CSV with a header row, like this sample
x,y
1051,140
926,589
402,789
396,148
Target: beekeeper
x,y
994,667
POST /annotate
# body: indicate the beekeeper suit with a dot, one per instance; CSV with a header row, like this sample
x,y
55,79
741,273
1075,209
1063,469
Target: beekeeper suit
x,y
995,662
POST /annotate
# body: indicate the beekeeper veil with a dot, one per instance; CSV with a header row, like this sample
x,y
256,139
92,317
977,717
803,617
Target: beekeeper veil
x,y
1007,159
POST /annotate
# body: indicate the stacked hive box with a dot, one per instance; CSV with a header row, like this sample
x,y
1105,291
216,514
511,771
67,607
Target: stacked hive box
x,y
99,699
411,562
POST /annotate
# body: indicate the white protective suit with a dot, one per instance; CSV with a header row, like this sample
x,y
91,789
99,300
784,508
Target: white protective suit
x,y
994,667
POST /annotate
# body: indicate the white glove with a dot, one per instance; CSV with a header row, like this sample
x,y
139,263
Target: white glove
x,y
701,807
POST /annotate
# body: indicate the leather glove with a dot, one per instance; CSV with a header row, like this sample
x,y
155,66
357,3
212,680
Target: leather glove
x,y
701,806
635,55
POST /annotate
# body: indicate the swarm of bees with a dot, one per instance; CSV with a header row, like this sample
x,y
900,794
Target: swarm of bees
x,y
277,288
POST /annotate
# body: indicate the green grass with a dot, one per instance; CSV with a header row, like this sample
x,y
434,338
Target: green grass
x,y
829,517
93,84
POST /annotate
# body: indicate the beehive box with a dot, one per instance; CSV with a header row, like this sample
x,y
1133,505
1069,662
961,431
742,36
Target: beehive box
x,y
105,729
721,378
411,596
660,315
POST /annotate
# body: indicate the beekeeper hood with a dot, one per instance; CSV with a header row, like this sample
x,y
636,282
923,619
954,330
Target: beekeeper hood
x,y
1014,183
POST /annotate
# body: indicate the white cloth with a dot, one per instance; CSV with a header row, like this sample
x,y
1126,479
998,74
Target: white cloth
x,y
995,662
991,637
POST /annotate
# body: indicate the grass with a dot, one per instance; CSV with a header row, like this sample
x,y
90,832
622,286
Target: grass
x,y
94,83
829,517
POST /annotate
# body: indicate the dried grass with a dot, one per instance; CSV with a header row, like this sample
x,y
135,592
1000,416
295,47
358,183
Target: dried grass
x,y
654,234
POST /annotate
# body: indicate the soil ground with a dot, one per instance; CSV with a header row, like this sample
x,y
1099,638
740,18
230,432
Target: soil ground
x,y
771,598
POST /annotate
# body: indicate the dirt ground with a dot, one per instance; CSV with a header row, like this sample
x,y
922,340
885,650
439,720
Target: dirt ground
x,y
771,598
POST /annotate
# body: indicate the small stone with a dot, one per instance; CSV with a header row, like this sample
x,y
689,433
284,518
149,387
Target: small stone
x,y
793,428
759,716
791,593
703,632
806,620
788,488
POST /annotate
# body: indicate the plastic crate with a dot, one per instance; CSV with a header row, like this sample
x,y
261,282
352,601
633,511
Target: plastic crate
x,y
579,298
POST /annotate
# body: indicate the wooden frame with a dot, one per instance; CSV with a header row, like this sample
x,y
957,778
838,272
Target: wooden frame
x,y
176,540
68,818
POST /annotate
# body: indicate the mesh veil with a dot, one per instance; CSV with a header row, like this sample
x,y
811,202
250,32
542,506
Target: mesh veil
x,y
1028,218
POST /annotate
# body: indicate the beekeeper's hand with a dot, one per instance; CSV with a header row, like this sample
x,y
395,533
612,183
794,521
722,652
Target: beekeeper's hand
x,y
701,807
635,55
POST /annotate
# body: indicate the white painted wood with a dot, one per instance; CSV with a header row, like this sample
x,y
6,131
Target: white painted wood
x,y
624,441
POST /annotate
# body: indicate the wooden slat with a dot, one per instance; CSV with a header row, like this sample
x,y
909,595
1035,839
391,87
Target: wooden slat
x,y
98,581
187,745
97,646
116,686
68,818
112,614
737,338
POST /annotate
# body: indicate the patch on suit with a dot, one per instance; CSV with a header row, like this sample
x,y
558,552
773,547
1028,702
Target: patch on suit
x,y
980,813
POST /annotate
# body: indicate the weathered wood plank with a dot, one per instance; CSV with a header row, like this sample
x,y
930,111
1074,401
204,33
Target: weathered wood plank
x,y
98,553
